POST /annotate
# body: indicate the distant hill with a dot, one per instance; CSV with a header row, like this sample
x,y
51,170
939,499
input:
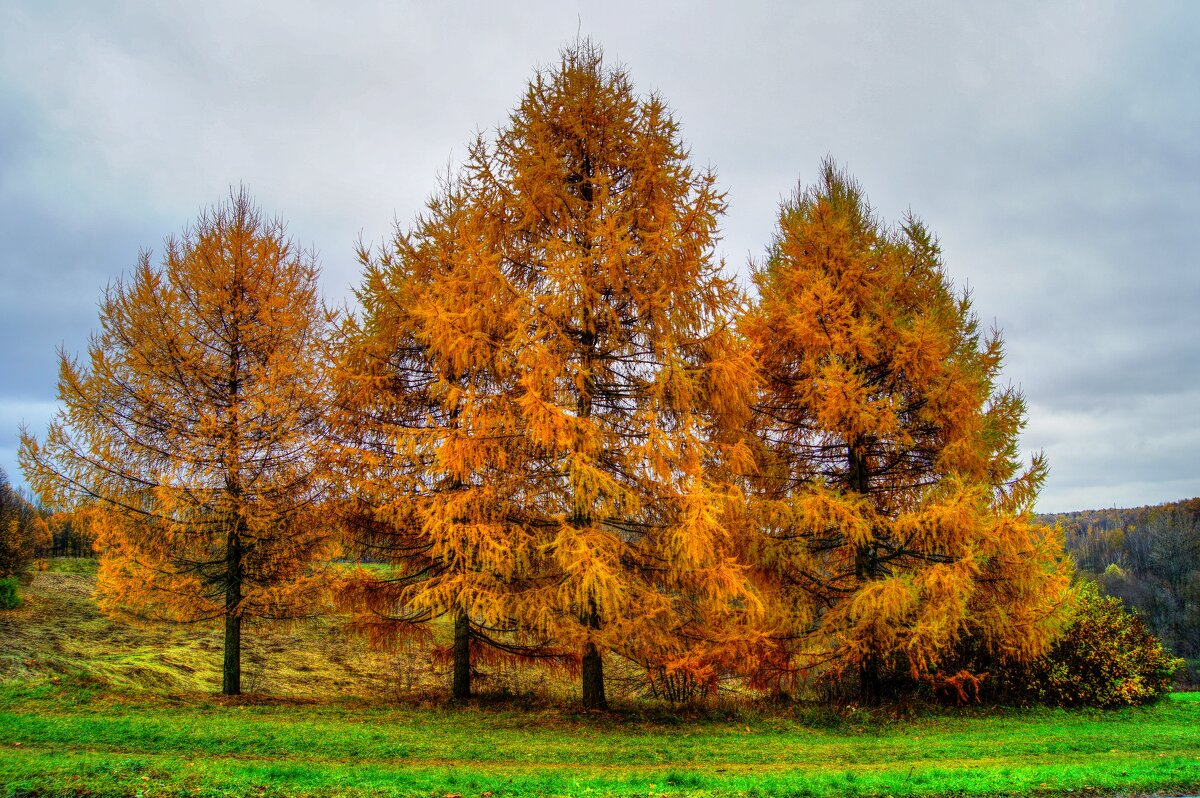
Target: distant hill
x,y
1081,521
1147,556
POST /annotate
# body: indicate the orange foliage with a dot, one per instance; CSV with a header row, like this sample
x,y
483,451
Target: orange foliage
x,y
22,531
894,516
546,377
547,424
189,438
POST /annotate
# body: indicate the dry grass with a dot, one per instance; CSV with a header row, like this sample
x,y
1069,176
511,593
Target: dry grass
x,y
59,631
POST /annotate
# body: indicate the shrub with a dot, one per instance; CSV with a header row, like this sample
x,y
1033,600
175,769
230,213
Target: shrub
x,y
9,598
1106,658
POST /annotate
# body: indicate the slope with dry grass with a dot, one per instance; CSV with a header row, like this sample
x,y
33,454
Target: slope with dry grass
x,y
59,632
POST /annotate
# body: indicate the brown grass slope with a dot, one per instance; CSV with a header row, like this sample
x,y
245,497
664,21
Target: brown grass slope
x,y
59,632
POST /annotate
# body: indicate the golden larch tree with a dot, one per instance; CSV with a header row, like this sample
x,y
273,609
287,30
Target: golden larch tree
x,y
895,514
191,435
601,233
583,376
423,423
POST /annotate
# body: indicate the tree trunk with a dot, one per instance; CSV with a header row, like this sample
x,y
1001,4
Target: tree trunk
x,y
593,662
866,567
231,677
231,681
869,686
461,686
593,668
593,678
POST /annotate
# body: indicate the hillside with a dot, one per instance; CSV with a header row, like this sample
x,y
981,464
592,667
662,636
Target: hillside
x,y
1150,558
59,632
1079,522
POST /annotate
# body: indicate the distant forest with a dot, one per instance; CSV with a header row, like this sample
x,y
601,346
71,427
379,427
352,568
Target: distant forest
x,y
1149,557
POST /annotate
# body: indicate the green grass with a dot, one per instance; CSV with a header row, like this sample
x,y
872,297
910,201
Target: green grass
x,y
96,708
10,595
72,565
62,739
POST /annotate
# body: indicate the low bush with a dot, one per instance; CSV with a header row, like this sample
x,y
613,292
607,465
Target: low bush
x,y
9,598
1106,658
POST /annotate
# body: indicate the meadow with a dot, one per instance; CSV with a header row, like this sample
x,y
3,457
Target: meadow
x,y
90,707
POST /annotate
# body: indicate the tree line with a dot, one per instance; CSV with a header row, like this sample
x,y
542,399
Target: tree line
x,y
554,421
21,531
1149,557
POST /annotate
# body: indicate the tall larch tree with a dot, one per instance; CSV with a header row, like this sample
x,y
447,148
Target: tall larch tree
x,y
192,432
628,370
895,514
424,423
577,330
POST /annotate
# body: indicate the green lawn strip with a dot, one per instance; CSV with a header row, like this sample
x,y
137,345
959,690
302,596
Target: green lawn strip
x,y
56,740
52,772
326,732
73,565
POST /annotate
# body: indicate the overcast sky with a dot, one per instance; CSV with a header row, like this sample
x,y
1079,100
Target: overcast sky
x,y
1054,147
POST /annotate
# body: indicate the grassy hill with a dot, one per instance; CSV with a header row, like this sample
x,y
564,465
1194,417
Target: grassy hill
x,y
59,632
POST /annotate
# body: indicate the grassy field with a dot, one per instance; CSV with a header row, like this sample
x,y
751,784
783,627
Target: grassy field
x,y
88,707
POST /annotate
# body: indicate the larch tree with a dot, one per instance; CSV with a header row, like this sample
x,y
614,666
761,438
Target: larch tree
x,y
895,514
192,432
602,233
423,420
573,331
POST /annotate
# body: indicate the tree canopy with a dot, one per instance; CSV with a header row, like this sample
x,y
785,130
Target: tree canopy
x,y
556,422
563,327
896,518
191,432
20,530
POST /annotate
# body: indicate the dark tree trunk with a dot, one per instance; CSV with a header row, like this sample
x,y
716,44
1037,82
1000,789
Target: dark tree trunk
x,y
231,681
869,685
461,686
593,668
593,662
231,672
231,677
866,567
593,678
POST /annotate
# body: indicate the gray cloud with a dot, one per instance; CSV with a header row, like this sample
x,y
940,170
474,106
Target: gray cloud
x,y
1050,145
